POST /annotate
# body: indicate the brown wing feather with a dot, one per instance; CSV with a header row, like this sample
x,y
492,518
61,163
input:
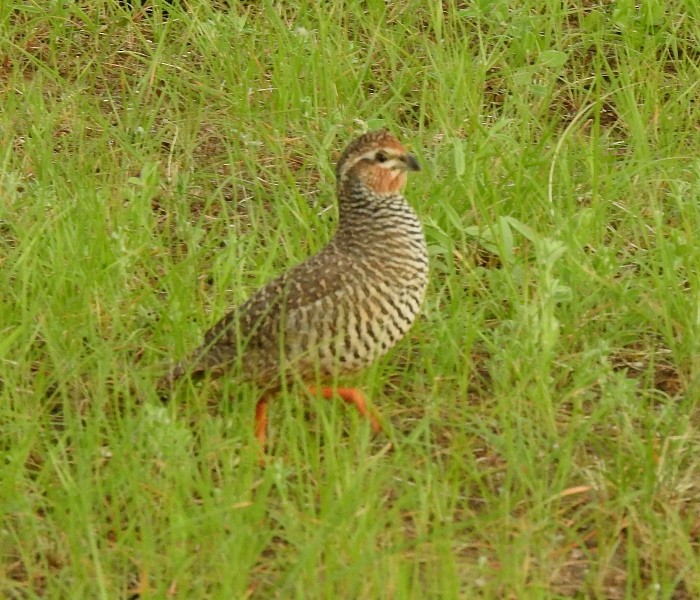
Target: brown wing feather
x,y
255,325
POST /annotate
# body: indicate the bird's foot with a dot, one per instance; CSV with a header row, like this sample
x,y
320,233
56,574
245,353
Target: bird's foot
x,y
351,396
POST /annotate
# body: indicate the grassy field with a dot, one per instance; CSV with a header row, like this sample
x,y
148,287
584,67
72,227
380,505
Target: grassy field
x,y
542,426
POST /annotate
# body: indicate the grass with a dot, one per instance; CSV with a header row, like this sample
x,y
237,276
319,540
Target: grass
x,y
542,423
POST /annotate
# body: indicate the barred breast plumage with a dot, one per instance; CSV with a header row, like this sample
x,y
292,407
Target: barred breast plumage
x,y
344,307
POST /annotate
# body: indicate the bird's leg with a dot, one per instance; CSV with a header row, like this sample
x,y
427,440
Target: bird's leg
x,y
351,396
261,421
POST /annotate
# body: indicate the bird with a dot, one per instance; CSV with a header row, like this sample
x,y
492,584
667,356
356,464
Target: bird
x,y
341,309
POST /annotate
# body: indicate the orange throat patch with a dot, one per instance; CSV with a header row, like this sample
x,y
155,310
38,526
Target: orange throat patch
x,y
388,181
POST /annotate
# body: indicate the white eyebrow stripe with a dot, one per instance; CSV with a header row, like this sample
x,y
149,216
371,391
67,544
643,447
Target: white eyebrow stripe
x,y
393,157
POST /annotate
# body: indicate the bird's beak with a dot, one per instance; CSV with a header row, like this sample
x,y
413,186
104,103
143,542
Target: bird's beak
x,y
411,162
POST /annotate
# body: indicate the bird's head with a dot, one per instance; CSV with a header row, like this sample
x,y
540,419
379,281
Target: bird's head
x,y
378,161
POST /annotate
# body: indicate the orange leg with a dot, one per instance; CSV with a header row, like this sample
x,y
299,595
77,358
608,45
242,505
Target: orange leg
x,y
351,396
261,421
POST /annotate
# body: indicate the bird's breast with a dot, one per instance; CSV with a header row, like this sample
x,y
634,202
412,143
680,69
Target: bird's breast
x,y
386,283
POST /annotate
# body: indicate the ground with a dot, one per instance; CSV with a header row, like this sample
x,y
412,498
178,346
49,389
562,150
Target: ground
x,y
162,160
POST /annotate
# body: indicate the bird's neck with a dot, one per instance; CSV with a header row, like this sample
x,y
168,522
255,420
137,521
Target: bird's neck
x,y
366,217
356,203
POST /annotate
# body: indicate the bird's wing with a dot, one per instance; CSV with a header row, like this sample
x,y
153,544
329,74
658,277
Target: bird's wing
x,y
254,326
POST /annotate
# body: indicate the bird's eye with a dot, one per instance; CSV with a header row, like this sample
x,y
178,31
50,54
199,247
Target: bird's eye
x,y
381,156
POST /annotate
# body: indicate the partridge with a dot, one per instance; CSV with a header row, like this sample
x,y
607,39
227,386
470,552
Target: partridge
x,y
342,308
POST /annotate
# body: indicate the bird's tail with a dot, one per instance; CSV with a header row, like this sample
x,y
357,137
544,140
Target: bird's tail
x,y
166,383
194,367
